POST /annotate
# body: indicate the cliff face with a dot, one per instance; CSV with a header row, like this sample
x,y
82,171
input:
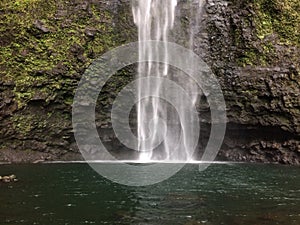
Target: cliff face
x,y
251,46
254,50
45,48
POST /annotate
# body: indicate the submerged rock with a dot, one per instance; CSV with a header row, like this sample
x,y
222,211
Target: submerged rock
x,y
8,179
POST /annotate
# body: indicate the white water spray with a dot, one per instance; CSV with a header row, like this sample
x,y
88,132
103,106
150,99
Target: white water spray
x,y
155,19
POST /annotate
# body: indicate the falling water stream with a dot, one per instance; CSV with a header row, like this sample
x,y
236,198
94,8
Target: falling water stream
x,y
225,193
155,117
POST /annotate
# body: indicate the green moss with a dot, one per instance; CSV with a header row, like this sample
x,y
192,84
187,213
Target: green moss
x,y
253,57
68,101
277,22
23,124
279,17
28,55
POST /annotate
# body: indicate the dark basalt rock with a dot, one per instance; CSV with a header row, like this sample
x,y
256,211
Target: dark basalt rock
x,y
44,54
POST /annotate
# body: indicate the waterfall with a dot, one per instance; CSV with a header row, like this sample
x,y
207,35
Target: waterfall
x,y
155,117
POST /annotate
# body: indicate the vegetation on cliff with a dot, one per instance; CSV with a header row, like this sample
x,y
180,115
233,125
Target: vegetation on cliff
x,y
45,47
276,24
279,17
46,44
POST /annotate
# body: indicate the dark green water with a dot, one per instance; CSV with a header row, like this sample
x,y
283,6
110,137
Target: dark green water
x,y
223,194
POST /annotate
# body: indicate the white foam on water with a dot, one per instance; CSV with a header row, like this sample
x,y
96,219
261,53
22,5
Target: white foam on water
x,y
144,162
